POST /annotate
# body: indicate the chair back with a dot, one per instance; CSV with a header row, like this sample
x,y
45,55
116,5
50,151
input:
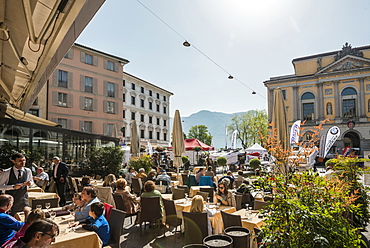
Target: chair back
x,y
196,227
98,177
119,202
107,210
237,183
231,219
185,187
150,209
239,201
257,238
72,185
206,181
105,195
171,214
53,202
178,193
210,191
204,195
260,204
116,220
184,178
45,185
137,185
52,187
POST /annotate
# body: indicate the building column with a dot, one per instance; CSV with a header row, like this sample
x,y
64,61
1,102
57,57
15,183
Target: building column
x,y
295,106
320,102
337,100
270,100
361,100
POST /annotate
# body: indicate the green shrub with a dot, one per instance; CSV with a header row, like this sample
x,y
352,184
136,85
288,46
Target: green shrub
x,y
221,161
330,162
141,162
185,159
106,160
255,163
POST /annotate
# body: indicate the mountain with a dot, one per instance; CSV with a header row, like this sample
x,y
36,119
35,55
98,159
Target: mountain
x,y
216,123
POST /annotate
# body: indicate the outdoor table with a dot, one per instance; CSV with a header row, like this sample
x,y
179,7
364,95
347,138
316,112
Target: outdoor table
x,y
167,196
97,183
40,195
216,220
195,189
35,189
175,183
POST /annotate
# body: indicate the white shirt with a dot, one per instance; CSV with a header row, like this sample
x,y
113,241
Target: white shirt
x,y
56,170
4,177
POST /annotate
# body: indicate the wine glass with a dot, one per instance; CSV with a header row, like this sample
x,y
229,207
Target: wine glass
x,y
38,206
186,196
47,205
71,224
52,215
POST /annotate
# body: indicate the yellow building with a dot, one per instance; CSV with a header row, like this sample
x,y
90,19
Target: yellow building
x,y
334,86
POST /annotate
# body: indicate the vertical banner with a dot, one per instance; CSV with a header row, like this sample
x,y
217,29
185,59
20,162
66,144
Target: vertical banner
x,y
322,146
150,149
294,132
233,140
331,136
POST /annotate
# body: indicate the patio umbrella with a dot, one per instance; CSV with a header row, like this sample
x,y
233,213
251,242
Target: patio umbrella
x,y
178,146
280,121
135,142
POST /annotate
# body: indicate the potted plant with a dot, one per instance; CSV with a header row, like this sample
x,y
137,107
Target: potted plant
x,y
255,164
221,161
197,149
141,162
185,161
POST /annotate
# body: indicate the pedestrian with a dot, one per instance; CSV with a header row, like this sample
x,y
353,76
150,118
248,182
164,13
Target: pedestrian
x,y
60,173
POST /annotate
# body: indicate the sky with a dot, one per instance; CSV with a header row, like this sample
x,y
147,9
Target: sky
x,y
251,40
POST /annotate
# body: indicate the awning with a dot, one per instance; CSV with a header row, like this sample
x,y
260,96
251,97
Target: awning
x,y
7,111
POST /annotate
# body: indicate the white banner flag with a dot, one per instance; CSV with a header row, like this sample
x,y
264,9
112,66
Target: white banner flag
x,y
150,149
233,139
294,132
331,136
322,146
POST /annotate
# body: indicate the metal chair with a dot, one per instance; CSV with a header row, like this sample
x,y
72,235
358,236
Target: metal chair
x,y
178,193
231,219
185,187
210,192
54,202
171,216
204,195
238,200
184,178
120,204
237,183
260,204
150,210
137,186
116,221
196,227
44,185
52,187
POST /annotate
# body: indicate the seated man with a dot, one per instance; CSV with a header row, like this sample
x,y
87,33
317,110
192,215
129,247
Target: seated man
x,y
8,224
89,196
229,175
141,175
40,233
164,178
97,222
40,177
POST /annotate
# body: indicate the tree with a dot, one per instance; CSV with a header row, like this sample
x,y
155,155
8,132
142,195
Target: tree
x,y
252,127
201,133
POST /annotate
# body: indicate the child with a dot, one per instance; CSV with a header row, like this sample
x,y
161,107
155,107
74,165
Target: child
x,y
77,202
97,222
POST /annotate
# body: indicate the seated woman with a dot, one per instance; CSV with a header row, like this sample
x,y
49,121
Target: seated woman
x,y
85,181
150,191
223,195
110,181
197,206
130,200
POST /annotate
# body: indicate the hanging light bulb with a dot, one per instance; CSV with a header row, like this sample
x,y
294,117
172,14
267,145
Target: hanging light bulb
x,y
230,77
186,43
253,93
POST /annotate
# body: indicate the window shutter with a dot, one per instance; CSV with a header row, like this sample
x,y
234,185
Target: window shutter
x,y
70,53
105,64
105,106
70,80
95,60
82,126
115,90
55,77
116,107
105,88
95,104
82,57
69,124
69,100
116,65
82,102
95,85
82,82
105,131
55,98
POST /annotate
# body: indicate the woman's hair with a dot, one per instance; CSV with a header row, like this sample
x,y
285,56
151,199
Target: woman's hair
x,y
121,183
111,178
197,204
85,180
201,169
43,226
149,186
36,214
225,182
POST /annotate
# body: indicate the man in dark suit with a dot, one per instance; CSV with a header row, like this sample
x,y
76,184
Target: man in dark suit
x,y
60,173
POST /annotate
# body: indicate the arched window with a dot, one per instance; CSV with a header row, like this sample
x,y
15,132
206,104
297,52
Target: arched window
x,y
349,96
308,106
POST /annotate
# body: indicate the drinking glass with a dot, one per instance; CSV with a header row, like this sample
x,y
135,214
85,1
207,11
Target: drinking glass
x,y
47,205
52,215
186,196
38,206
71,224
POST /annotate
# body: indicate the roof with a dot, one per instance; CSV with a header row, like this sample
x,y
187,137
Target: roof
x,y
191,143
155,86
120,59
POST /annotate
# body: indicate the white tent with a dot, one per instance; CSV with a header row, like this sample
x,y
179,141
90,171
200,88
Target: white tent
x,y
256,148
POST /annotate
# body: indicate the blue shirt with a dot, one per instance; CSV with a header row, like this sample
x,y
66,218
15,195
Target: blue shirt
x,y
83,213
101,227
8,226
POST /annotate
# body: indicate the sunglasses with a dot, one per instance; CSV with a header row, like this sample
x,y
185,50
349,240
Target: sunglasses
x,y
52,236
221,187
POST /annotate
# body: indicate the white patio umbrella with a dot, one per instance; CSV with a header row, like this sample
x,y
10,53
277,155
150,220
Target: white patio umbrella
x,y
135,142
178,146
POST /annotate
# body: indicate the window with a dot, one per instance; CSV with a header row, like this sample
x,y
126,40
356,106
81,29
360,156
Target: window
x,y
109,129
142,134
110,89
110,65
157,107
150,105
62,99
165,123
124,114
142,103
110,107
164,110
34,112
62,122
123,83
308,106
157,95
133,86
158,121
88,103
150,93
142,90
349,96
88,59
307,96
123,130
158,135
62,79
165,136
124,97
133,116
87,128
164,98
132,100
150,134
151,118
36,101
142,118
328,91
88,84
284,94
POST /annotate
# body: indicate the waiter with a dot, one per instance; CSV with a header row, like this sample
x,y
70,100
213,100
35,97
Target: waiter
x,y
60,173
15,180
